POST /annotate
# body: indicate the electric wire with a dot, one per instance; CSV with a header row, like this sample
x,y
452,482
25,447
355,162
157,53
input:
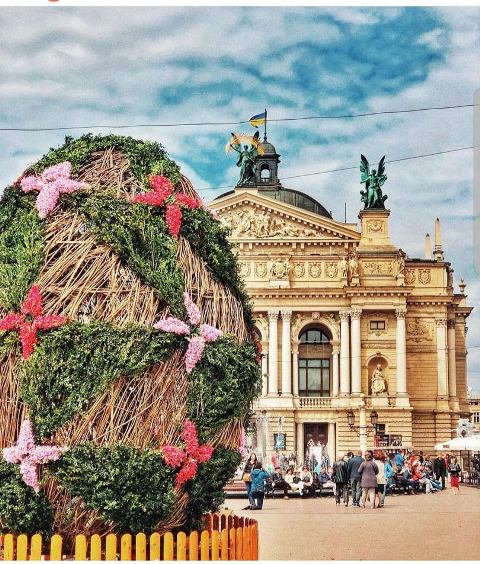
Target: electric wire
x,y
209,123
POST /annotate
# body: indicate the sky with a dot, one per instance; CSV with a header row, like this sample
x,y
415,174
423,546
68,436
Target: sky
x,y
65,66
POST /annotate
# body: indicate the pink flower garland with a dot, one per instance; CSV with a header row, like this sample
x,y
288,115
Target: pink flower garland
x,y
196,345
29,455
189,457
53,181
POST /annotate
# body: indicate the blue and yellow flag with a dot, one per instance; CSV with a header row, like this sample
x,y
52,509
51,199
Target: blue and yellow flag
x,y
259,119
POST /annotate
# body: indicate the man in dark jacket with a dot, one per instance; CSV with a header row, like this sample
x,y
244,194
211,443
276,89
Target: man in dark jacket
x,y
440,469
355,478
279,482
340,477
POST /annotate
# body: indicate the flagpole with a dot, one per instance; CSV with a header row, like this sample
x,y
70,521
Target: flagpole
x,y
265,128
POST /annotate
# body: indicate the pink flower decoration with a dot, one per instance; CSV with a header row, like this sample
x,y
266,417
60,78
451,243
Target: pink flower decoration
x,y
30,321
53,181
188,457
162,196
192,310
196,345
29,455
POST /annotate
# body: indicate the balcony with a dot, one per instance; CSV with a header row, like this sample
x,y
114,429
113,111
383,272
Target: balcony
x,y
313,403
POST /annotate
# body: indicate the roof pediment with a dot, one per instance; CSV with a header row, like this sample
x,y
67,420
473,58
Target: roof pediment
x,y
249,215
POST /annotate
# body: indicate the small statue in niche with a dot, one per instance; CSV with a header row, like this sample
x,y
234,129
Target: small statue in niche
x,y
378,381
354,263
344,267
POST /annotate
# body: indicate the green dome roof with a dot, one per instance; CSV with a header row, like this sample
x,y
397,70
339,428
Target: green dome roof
x,y
291,197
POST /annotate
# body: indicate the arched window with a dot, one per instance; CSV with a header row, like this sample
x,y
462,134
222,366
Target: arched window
x,y
265,173
314,362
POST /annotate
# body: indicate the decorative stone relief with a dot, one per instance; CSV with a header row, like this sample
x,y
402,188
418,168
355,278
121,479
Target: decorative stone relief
x,y
418,330
245,269
299,269
279,269
424,276
261,269
315,269
375,226
248,222
331,269
378,268
410,276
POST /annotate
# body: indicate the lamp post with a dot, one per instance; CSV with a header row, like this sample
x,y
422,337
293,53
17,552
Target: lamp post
x,y
363,430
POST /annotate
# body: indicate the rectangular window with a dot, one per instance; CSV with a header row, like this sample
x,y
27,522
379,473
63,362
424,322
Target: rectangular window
x,y
377,325
314,377
476,416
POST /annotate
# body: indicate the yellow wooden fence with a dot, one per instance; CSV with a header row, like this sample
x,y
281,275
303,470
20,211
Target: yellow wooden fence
x,y
224,538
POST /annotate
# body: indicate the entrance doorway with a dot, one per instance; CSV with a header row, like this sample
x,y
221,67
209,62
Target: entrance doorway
x,y
315,440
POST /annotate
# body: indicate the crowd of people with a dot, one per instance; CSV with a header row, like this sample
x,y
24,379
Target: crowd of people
x,y
365,477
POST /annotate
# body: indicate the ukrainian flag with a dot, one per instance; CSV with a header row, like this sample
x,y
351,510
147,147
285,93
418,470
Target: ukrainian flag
x,y
259,119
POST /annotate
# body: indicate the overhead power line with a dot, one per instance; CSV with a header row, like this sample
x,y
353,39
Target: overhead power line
x,y
356,167
204,123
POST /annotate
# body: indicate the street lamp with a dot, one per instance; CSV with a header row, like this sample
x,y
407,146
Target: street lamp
x,y
367,428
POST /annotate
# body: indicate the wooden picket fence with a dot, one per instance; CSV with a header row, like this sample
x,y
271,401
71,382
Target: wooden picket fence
x,y
223,538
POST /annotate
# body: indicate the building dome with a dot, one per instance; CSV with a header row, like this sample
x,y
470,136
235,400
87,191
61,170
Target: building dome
x,y
268,148
295,198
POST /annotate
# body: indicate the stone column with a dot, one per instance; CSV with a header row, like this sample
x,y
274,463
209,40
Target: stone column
x,y
331,442
363,429
442,388
356,352
295,370
300,447
264,374
272,354
286,354
401,312
452,360
344,353
335,372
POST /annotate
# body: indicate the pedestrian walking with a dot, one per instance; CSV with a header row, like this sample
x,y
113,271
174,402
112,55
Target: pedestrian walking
x,y
381,478
246,476
454,471
368,470
355,478
340,477
440,470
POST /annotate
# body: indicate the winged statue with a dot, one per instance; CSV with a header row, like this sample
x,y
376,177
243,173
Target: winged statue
x,y
246,156
374,180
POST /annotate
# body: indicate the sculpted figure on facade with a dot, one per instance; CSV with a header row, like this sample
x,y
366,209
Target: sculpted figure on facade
x,y
344,267
353,263
378,381
249,222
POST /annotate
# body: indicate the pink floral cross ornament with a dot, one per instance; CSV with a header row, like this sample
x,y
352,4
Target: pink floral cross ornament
x,y
30,455
30,321
189,457
196,345
53,181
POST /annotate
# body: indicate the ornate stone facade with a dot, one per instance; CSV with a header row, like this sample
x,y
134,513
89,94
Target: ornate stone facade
x,y
374,312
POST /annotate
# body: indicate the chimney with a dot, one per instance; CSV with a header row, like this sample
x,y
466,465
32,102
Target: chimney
x,y
438,252
428,247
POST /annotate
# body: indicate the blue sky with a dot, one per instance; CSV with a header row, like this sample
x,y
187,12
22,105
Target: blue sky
x,y
74,66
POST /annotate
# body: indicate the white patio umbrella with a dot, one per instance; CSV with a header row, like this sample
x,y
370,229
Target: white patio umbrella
x,y
471,443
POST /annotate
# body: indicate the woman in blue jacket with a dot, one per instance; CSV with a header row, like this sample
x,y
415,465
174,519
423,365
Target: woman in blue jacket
x,y
257,490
